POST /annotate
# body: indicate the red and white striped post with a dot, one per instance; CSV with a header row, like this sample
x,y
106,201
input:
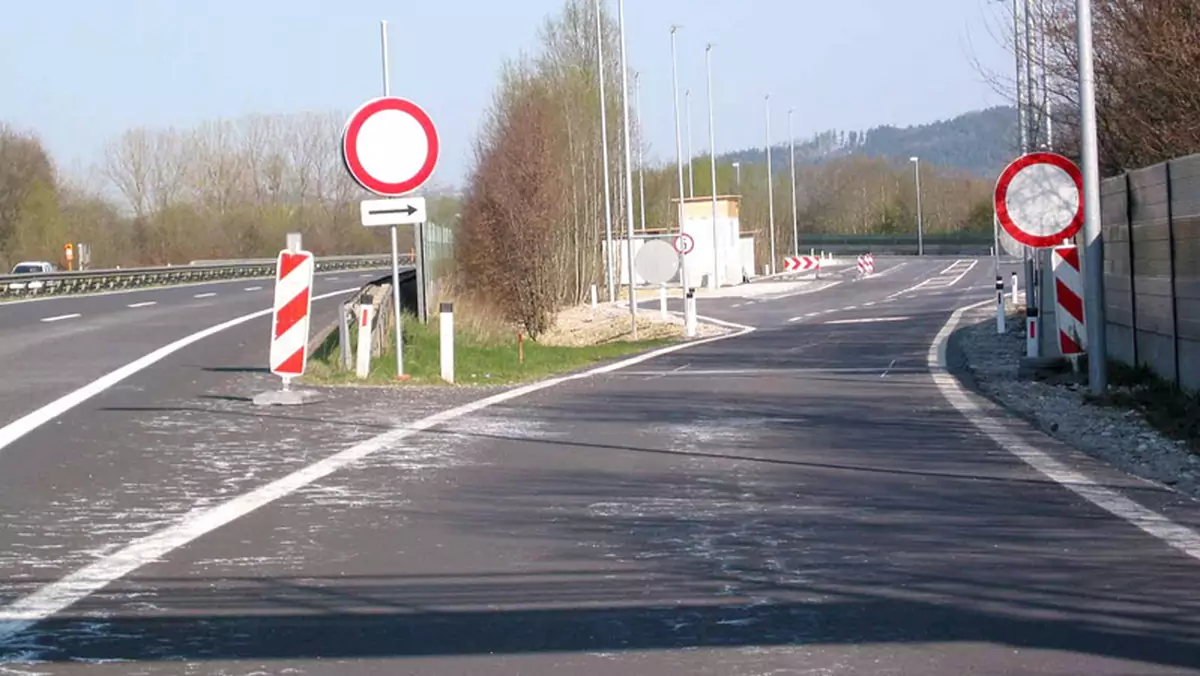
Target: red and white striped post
x,y
289,322
1068,292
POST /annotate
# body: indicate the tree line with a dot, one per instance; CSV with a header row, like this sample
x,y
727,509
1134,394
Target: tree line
x,y
533,213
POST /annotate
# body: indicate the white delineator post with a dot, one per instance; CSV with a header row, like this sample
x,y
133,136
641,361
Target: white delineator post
x,y
1000,327
447,342
362,365
689,315
1015,283
594,300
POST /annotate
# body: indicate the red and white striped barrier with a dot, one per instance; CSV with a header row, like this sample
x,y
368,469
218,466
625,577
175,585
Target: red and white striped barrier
x,y
866,264
801,263
289,324
1068,291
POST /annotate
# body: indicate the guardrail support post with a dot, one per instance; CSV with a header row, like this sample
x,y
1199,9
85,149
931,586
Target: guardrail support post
x,y
363,366
447,343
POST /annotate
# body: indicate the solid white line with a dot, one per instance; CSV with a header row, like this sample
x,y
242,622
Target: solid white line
x,y
868,320
59,318
146,303
210,294
1180,537
29,422
62,594
253,288
964,273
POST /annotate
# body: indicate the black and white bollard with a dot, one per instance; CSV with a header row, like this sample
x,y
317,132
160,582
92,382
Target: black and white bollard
x,y
1033,347
1014,288
447,343
363,362
1000,305
689,314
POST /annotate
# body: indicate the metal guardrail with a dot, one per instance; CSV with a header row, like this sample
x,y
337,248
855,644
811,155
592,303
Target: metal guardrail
x,y
92,281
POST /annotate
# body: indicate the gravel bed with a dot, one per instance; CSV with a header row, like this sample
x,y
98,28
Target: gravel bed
x,y
1121,438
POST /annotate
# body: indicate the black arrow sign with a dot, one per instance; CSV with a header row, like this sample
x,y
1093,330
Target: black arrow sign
x,y
407,211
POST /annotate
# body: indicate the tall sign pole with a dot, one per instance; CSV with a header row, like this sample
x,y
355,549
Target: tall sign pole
x,y
387,91
795,219
1093,286
689,325
608,236
770,183
628,171
715,282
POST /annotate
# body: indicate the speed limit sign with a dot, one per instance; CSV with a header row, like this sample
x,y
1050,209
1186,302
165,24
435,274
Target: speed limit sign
x,y
684,243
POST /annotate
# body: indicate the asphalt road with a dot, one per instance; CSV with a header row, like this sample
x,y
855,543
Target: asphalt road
x,y
54,345
801,499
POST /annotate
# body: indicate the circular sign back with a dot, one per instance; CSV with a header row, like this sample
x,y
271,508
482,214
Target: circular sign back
x,y
656,262
390,146
1039,199
684,243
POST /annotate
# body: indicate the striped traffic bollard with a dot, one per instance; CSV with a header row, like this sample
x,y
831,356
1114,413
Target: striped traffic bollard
x,y
1068,292
290,319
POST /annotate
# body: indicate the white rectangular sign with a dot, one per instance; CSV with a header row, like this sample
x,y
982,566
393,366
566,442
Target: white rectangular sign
x,y
394,211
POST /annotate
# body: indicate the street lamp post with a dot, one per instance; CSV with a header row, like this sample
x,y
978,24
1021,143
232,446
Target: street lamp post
x,y
628,170
637,88
770,184
795,220
920,217
608,238
1093,262
687,107
715,282
688,321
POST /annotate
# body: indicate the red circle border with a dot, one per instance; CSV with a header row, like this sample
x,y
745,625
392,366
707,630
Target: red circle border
x,y
350,140
1001,199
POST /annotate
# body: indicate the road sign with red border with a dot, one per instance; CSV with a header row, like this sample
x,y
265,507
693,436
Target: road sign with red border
x,y
684,243
1039,199
390,146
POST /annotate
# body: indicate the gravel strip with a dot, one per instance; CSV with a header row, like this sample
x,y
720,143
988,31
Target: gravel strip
x,y
1121,438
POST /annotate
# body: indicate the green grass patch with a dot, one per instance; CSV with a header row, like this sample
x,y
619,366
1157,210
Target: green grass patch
x,y
1167,407
478,359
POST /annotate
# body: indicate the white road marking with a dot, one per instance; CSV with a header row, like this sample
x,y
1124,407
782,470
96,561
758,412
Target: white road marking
x,y
29,422
210,294
868,320
753,372
59,318
334,279
870,304
1177,536
889,368
850,307
253,288
57,596
145,303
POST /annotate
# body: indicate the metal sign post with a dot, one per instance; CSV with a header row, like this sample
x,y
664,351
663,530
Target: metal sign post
x,y
390,147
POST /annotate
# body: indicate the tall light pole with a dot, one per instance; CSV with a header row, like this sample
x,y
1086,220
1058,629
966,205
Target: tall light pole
x,y
687,107
1046,111
1093,286
689,326
770,184
1030,82
920,217
795,218
1023,127
608,233
715,282
628,170
637,88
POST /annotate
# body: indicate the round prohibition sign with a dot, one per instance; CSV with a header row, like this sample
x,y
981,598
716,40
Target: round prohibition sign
x,y
390,146
684,243
1039,199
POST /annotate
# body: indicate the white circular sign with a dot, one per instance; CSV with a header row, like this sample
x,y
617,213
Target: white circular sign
x,y
656,262
1039,199
390,146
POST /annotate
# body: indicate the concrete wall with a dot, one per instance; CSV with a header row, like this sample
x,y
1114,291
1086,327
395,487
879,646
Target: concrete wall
x,y
1151,227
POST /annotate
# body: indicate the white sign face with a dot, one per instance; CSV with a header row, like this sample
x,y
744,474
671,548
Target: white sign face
x,y
656,262
394,211
1042,199
390,146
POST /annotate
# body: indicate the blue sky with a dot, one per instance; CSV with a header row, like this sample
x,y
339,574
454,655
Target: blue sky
x,y
78,72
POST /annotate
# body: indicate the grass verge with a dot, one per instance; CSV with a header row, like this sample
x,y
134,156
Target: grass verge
x,y
480,358
1164,405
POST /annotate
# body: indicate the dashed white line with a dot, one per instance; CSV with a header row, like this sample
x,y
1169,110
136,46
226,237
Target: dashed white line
x,y
333,279
870,304
145,303
253,288
850,307
868,320
59,318
210,294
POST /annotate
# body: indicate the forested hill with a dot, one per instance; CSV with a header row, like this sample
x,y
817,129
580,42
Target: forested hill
x,y
980,142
